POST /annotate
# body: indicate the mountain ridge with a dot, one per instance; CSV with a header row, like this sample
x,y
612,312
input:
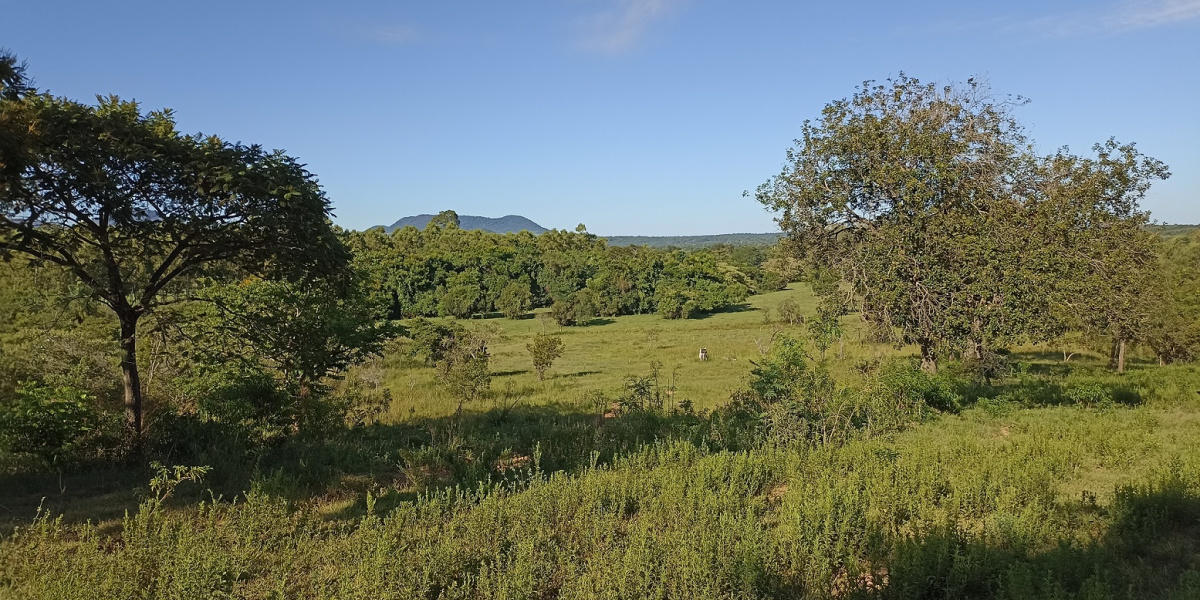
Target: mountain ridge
x,y
505,224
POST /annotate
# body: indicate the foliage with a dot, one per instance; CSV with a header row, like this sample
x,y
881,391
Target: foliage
x,y
790,313
133,208
48,422
1173,329
432,339
515,300
923,200
444,270
574,309
464,367
544,350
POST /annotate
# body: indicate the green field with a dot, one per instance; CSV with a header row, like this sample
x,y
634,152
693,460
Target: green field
x,y
599,356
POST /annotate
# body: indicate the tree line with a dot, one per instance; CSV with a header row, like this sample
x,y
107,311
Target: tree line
x,y
443,270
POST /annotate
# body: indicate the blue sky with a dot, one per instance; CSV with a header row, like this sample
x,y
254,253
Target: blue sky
x,y
635,117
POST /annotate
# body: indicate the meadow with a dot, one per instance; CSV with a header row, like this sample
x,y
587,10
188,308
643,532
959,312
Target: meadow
x,y
1061,481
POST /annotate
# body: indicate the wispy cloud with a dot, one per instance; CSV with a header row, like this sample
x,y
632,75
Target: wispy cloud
x,y
623,25
1129,15
1143,14
1101,19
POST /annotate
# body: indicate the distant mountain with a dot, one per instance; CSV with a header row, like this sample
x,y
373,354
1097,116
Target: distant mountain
x,y
505,224
695,241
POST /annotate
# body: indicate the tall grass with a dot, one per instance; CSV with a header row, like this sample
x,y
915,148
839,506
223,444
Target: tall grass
x,y
966,506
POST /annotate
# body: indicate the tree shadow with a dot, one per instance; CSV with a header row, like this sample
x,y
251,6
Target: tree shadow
x,y
509,373
1151,549
732,308
503,443
575,374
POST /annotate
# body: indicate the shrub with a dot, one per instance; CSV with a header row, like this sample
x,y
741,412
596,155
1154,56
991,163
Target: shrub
x,y
464,368
48,422
789,312
430,338
544,349
903,379
574,309
674,304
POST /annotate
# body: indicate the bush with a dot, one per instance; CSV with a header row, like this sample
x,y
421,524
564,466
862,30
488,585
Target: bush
x,y
430,338
674,304
903,379
249,400
544,349
51,423
464,368
789,312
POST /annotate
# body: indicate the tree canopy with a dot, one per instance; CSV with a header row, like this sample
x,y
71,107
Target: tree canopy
x,y
133,208
950,232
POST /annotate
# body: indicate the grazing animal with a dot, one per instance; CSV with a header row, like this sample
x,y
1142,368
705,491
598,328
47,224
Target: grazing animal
x,y
704,354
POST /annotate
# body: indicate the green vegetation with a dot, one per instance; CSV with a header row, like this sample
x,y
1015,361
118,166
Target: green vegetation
x,y
443,270
967,373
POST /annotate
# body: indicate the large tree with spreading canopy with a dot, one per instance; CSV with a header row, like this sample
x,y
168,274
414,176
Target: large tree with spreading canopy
x,y
135,209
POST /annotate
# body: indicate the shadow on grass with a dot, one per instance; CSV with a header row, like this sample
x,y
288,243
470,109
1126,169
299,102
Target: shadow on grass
x,y
494,445
732,308
1151,549
575,374
508,373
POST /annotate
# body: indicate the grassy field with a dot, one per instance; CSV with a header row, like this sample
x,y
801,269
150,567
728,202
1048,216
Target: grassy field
x,y
599,357
1061,481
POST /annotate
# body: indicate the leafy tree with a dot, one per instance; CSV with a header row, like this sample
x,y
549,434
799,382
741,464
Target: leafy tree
x,y
302,333
881,190
132,208
515,300
1108,257
789,312
464,368
949,232
575,309
447,219
431,339
1174,328
544,349
460,301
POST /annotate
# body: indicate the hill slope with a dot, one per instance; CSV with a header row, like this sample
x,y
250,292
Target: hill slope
x,y
505,224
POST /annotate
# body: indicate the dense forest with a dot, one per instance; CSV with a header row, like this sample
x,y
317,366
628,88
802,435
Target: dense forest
x,y
990,336
444,270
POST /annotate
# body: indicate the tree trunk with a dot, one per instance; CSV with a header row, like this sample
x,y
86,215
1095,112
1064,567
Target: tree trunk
x,y
928,358
1112,354
1121,357
129,376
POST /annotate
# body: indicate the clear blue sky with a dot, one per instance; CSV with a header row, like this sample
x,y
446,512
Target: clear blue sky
x,y
631,116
